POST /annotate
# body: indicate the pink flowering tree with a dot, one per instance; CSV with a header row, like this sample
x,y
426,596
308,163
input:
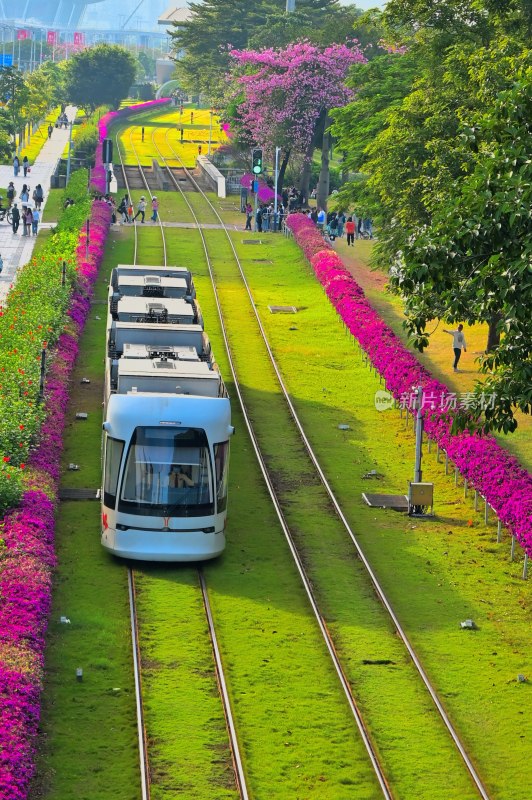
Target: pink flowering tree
x,y
286,95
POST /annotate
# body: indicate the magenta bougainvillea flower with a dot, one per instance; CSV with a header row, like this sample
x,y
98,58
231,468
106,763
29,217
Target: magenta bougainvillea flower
x,y
488,467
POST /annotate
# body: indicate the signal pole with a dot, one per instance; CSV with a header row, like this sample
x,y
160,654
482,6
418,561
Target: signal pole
x,y
290,6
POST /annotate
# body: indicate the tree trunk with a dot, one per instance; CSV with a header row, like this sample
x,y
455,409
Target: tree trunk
x,y
304,182
282,170
494,337
323,182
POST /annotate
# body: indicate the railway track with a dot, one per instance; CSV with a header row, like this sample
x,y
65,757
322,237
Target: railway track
x,y
460,747
365,734
145,776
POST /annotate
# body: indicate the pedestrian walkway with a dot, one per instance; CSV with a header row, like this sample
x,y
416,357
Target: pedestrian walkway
x,y
16,250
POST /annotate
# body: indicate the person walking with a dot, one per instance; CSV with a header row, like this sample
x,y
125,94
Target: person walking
x,y
154,209
50,130
321,219
15,218
341,223
25,194
25,165
258,220
16,166
36,218
11,193
130,211
350,231
122,208
249,216
27,219
141,209
38,196
459,344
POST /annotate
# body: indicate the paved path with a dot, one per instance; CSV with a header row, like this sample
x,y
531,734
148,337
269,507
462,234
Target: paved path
x,y
16,249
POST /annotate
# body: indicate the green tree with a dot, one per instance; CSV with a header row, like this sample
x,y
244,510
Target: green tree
x,y
473,260
14,94
100,75
203,43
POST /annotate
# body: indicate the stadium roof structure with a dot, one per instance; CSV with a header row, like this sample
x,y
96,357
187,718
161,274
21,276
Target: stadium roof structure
x,y
175,15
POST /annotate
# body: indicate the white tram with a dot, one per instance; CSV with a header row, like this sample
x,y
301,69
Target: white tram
x,y
167,423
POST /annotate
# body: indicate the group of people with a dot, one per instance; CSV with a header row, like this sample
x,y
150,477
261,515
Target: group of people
x,y
28,216
335,223
265,217
126,209
17,164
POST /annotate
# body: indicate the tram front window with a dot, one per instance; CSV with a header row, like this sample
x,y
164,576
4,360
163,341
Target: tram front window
x,y
168,471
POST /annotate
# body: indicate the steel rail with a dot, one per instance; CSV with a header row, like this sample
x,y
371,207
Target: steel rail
x,y
364,733
141,728
375,582
238,768
146,184
123,166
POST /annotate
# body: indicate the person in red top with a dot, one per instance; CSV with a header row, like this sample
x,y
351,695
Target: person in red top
x,y
350,231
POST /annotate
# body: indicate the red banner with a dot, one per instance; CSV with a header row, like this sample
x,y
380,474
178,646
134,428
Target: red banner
x,y
78,38
51,37
23,34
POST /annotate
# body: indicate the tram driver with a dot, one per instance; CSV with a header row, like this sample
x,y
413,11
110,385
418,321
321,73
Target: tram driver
x,y
180,476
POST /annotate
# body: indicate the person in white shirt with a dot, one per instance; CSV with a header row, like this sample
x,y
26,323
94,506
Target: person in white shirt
x,y
321,218
459,344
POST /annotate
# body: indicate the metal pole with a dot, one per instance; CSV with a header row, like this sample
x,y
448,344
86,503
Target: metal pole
x,y
87,241
275,215
210,132
63,274
419,435
43,371
69,152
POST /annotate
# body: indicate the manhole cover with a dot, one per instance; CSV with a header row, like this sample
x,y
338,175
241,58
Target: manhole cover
x,y
79,494
397,502
251,241
283,309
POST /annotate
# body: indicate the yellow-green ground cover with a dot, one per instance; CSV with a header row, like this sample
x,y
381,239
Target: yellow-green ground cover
x,y
195,134
33,148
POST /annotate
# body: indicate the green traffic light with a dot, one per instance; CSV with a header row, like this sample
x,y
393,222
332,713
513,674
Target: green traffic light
x,y
257,169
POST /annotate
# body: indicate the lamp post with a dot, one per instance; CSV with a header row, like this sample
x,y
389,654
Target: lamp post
x,y
275,214
69,152
210,132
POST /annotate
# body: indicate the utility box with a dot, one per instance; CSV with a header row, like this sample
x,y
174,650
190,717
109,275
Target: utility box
x,y
420,498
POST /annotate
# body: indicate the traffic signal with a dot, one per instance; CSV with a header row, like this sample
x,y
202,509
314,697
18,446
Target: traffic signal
x,y
107,151
256,158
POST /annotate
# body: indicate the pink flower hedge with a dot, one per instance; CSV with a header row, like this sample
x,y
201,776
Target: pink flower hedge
x,y
28,531
98,173
488,467
28,558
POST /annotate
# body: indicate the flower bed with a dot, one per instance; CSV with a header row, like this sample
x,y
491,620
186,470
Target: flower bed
x,y
98,181
35,313
488,467
28,533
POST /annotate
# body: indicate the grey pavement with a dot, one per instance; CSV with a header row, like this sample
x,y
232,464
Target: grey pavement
x,y
15,249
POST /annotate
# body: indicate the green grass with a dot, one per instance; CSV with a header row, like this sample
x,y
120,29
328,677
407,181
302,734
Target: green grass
x,y
448,570
362,631
88,744
54,205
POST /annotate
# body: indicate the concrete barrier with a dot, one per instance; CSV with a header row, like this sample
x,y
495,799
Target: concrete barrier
x,y
161,176
214,177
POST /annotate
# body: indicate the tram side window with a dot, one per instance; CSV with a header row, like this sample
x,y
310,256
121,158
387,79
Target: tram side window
x,y
221,463
113,457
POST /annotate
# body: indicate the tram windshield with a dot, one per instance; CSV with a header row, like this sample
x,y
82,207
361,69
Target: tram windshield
x,y
168,472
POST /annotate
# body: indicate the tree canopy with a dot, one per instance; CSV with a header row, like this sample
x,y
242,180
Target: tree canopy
x,y
219,26
445,175
100,75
